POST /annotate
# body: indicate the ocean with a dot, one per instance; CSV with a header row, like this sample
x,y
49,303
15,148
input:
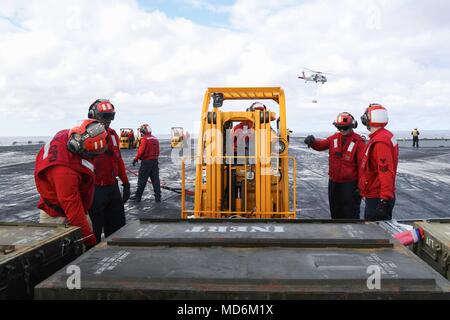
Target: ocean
x,y
400,135
32,140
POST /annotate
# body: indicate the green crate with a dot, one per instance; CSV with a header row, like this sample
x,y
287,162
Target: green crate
x,y
31,252
435,247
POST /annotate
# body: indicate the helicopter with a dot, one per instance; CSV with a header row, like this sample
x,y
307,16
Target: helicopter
x,y
316,76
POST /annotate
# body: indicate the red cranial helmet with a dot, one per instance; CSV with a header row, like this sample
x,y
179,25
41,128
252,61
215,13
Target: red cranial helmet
x,y
345,121
145,128
88,139
257,106
375,116
102,110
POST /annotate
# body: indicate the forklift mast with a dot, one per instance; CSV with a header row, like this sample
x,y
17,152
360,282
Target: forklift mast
x,y
242,170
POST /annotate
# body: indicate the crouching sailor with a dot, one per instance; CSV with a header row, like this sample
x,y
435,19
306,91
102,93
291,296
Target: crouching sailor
x,y
64,176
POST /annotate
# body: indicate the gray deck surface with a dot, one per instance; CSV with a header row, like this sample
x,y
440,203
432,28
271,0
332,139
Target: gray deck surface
x,y
423,183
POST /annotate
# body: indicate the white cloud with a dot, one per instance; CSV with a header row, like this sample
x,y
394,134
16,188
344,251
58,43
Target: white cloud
x,y
58,56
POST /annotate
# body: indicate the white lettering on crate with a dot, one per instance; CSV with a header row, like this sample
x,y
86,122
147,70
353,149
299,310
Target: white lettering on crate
x,y
144,232
352,232
36,236
228,229
387,268
110,263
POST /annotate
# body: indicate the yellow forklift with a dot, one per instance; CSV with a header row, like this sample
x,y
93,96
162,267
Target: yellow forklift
x,y
242,166
127,138
177,137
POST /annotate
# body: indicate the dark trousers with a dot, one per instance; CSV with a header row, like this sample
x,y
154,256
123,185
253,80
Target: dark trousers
x,y
149,169
107,212
415,142
344,200
371,212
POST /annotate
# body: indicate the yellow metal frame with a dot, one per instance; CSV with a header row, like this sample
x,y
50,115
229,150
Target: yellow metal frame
x,y
208,196
124,142
290,213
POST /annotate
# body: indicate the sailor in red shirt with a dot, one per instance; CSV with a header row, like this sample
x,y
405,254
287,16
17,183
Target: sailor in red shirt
x,y
108,212
346,150
130,139
243,135
64,176
187,141
148,153
378,168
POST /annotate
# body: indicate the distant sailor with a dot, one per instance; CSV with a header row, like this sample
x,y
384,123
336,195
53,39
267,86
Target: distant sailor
x,y
378,168
415,134
148,153
243,135
130,139
346,150
64,176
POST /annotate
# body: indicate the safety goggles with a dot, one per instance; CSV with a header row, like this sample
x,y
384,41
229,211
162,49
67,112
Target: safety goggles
x,y
343,128
106,116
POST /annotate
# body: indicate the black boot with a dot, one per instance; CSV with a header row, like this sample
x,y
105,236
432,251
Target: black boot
x,y
135,198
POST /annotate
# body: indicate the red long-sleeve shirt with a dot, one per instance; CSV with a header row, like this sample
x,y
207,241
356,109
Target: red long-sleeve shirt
x,y
62,187
379,166
148,148
383,161
110,164
344,156
240,134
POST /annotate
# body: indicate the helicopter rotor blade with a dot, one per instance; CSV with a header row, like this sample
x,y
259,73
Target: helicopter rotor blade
x,y
310,70
318,72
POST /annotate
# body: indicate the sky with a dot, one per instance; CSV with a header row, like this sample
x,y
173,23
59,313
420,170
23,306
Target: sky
x,y
155,59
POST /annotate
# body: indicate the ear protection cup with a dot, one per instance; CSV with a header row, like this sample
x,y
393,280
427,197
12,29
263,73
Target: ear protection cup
x,y
73,145
92,108
91,113
365,119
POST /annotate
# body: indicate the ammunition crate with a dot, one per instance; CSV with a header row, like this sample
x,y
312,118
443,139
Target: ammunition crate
x,y
31,252
435,247
223,259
